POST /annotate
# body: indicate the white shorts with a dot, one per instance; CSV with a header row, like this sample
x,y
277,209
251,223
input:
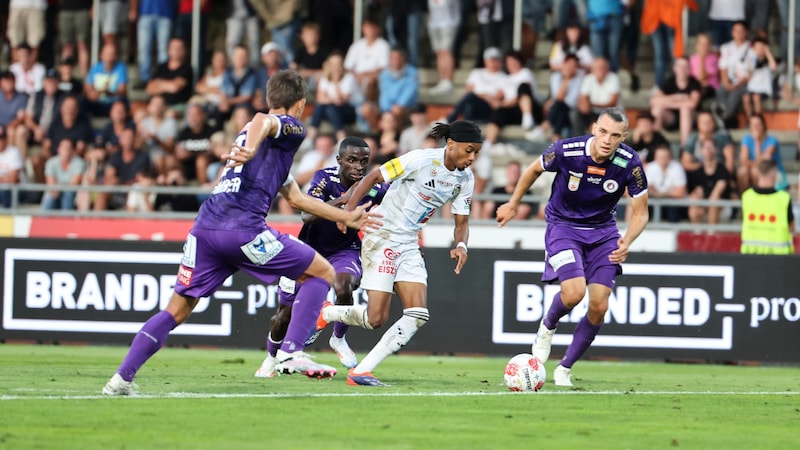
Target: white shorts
x,y
442,38
386,262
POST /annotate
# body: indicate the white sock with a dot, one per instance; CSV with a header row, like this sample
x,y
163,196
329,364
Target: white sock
x,y
527,121
395,338
349,315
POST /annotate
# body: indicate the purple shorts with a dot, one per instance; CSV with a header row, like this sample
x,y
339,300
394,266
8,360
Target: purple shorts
x,y
211,256
345,261
573,252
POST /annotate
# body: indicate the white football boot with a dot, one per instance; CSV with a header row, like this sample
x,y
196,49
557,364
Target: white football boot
x,y
562,376
267,369
117,386
544,341
346,355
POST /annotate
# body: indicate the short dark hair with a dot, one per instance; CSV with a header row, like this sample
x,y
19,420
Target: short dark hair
x,y
616,114
646,116
766,166
285,88
352,141
465,128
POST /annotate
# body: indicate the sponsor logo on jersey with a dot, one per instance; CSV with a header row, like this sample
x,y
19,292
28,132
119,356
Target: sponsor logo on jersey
x,y
574,153
430,184
444,183
185,275
594,170
619,161
427,198
610,186
576,174
624,152
390,254
638,176
595,180
575,144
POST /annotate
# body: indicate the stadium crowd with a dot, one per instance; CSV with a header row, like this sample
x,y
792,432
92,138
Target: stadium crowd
x,y
64,121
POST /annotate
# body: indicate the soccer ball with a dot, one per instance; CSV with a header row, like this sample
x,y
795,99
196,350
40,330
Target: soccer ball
x,y
525,373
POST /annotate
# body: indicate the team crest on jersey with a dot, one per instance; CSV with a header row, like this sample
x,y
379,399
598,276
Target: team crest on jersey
x,y
574,183
610,186
434,171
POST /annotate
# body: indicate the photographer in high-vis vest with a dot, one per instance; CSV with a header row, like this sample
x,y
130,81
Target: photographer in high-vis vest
x,y
767,219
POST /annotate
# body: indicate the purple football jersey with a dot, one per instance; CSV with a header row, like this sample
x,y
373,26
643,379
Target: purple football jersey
x,y
242,198
585,193
323,235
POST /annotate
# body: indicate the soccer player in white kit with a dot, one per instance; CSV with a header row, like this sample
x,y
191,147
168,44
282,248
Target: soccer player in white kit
x,y
422,182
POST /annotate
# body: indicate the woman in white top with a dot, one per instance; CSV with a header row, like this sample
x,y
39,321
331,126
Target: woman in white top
x,y
209,88
423,181
520,105
573,42
334,90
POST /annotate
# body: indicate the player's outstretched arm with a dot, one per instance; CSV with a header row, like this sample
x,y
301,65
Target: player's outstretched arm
x,y
336,202
363,187
461,236
508,210
636,225
358,218
260,127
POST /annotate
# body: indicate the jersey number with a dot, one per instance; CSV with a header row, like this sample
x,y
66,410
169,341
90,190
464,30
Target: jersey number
x,y
238,169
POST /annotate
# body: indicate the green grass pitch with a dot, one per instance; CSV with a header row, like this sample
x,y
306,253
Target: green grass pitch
x,y
209,399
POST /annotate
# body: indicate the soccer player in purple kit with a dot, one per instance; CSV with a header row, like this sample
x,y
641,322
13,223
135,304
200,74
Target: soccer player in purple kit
x,y
583,246
230,234
333,185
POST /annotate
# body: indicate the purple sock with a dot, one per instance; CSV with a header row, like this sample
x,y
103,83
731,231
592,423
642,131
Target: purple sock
x,y
147,341
555,313
305,312
582,338
272,346
339,329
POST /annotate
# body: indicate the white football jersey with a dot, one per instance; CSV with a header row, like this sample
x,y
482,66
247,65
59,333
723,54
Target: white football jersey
x,y
421,184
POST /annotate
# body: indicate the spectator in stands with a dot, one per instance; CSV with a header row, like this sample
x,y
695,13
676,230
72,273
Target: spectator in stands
x,y
572,42
153,20
666,179
96,158
208,90
11,168
172,201
709,182
520,102
64,169
496,20
762,66
74,27
283,20
158,131
310,55
193,145
26,24
675,102
173,79
757,146
564,10
121,170
768,218
705,65
413,137
484,89
524,210
606,24
41,109
663,22
334,92
600,89
366,58
722,18
12,104
403,23
183,27
388,137
242,23
139,200
735,73
322,156
69,124
120,121
644,138
630,40
692,155
111,14
239,83
221,140
271,59
29,73
107,82
398,91
565,88
68,84
444,17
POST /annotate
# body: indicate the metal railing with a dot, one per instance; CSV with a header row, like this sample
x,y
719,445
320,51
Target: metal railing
x,y
18,208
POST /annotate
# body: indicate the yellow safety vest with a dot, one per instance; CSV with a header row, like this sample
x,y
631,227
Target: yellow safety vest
x,y
765,223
